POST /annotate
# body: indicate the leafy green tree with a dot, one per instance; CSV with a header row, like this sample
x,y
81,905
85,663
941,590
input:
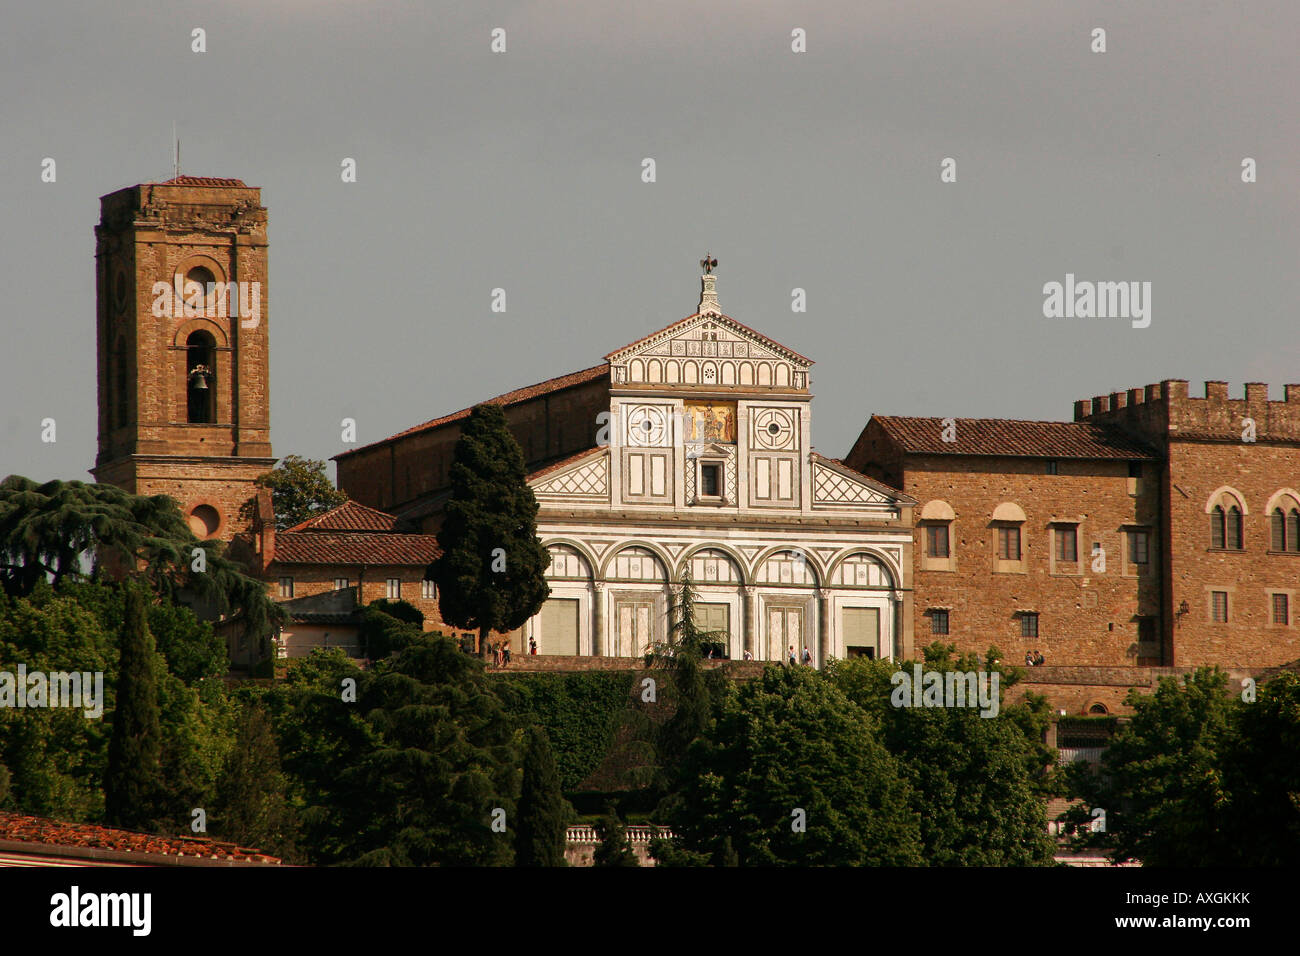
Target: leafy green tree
x,y
71,530
544,814
614,849
321,730
491,575
56,756
793,773
977,783
1162,784
1262,775
300,489
251,805
445,761
133,782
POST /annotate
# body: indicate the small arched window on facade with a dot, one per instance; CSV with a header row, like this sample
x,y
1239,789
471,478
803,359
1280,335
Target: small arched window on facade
x,y
1284,524
200,378
1226,512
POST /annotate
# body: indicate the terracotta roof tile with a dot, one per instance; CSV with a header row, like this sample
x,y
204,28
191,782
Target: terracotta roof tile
x,y
595,373
355,547
1005,437
564,462
41,831
203,181
349,516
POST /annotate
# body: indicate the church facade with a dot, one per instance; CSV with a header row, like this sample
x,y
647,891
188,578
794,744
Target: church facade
x,y
693,457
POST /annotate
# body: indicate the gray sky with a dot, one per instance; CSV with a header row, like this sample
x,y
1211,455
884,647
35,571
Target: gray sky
x,y
817,170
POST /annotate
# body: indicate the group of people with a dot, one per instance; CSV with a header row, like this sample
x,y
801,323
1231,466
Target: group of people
x,y
1034,659
793,658
500,653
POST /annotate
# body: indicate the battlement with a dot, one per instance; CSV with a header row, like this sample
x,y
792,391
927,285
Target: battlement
x,y
1167,408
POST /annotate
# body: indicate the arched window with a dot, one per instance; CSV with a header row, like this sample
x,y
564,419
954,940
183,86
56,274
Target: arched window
x,y
1284,529
1233,527
1226,509
200,378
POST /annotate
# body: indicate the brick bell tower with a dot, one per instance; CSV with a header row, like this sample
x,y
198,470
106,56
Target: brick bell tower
x,y
181,319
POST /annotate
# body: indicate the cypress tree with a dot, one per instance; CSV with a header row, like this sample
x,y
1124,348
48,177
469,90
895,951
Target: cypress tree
x,y
132,782
252,808
491,575
615,848
544,814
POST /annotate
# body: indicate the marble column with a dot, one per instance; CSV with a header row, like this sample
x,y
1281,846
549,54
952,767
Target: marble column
x,y
599,646
750,641
823,627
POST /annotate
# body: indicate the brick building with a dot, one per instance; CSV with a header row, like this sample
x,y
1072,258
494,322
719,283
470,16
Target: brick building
x,y
1199,528
1230,516
181,329
1031,536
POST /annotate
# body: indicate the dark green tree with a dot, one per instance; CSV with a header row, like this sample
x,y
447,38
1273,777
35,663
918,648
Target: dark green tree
x,y
387,626
1261,770
793,773
300,489
1162,784
977,782
444,763
251,805
70,530
691,693
544,814
491,575
614,849
133,781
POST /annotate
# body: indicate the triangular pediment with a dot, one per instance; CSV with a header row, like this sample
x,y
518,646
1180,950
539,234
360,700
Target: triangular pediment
x,y
836,485
697,335
709,350
585,475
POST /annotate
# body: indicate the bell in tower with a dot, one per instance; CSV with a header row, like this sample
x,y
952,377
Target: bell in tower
x,y
183,345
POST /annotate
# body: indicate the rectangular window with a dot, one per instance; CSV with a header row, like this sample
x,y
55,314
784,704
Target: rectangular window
x,y
428,590
394,589
1067,545
341,584
1139,545
709,480
1219,601
1053,467
938,621
936,540
286,587
1028,625
1281,609
1009,543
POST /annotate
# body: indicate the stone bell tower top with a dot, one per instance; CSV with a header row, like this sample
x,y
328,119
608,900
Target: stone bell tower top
x,y
708,289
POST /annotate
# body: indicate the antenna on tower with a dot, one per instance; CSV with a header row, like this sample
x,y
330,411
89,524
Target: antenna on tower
x,y
177,142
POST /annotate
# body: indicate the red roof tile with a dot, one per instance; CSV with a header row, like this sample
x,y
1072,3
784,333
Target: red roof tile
x,y
1005,437
349,516
203,181
592,374
40,831
354,547
564,462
